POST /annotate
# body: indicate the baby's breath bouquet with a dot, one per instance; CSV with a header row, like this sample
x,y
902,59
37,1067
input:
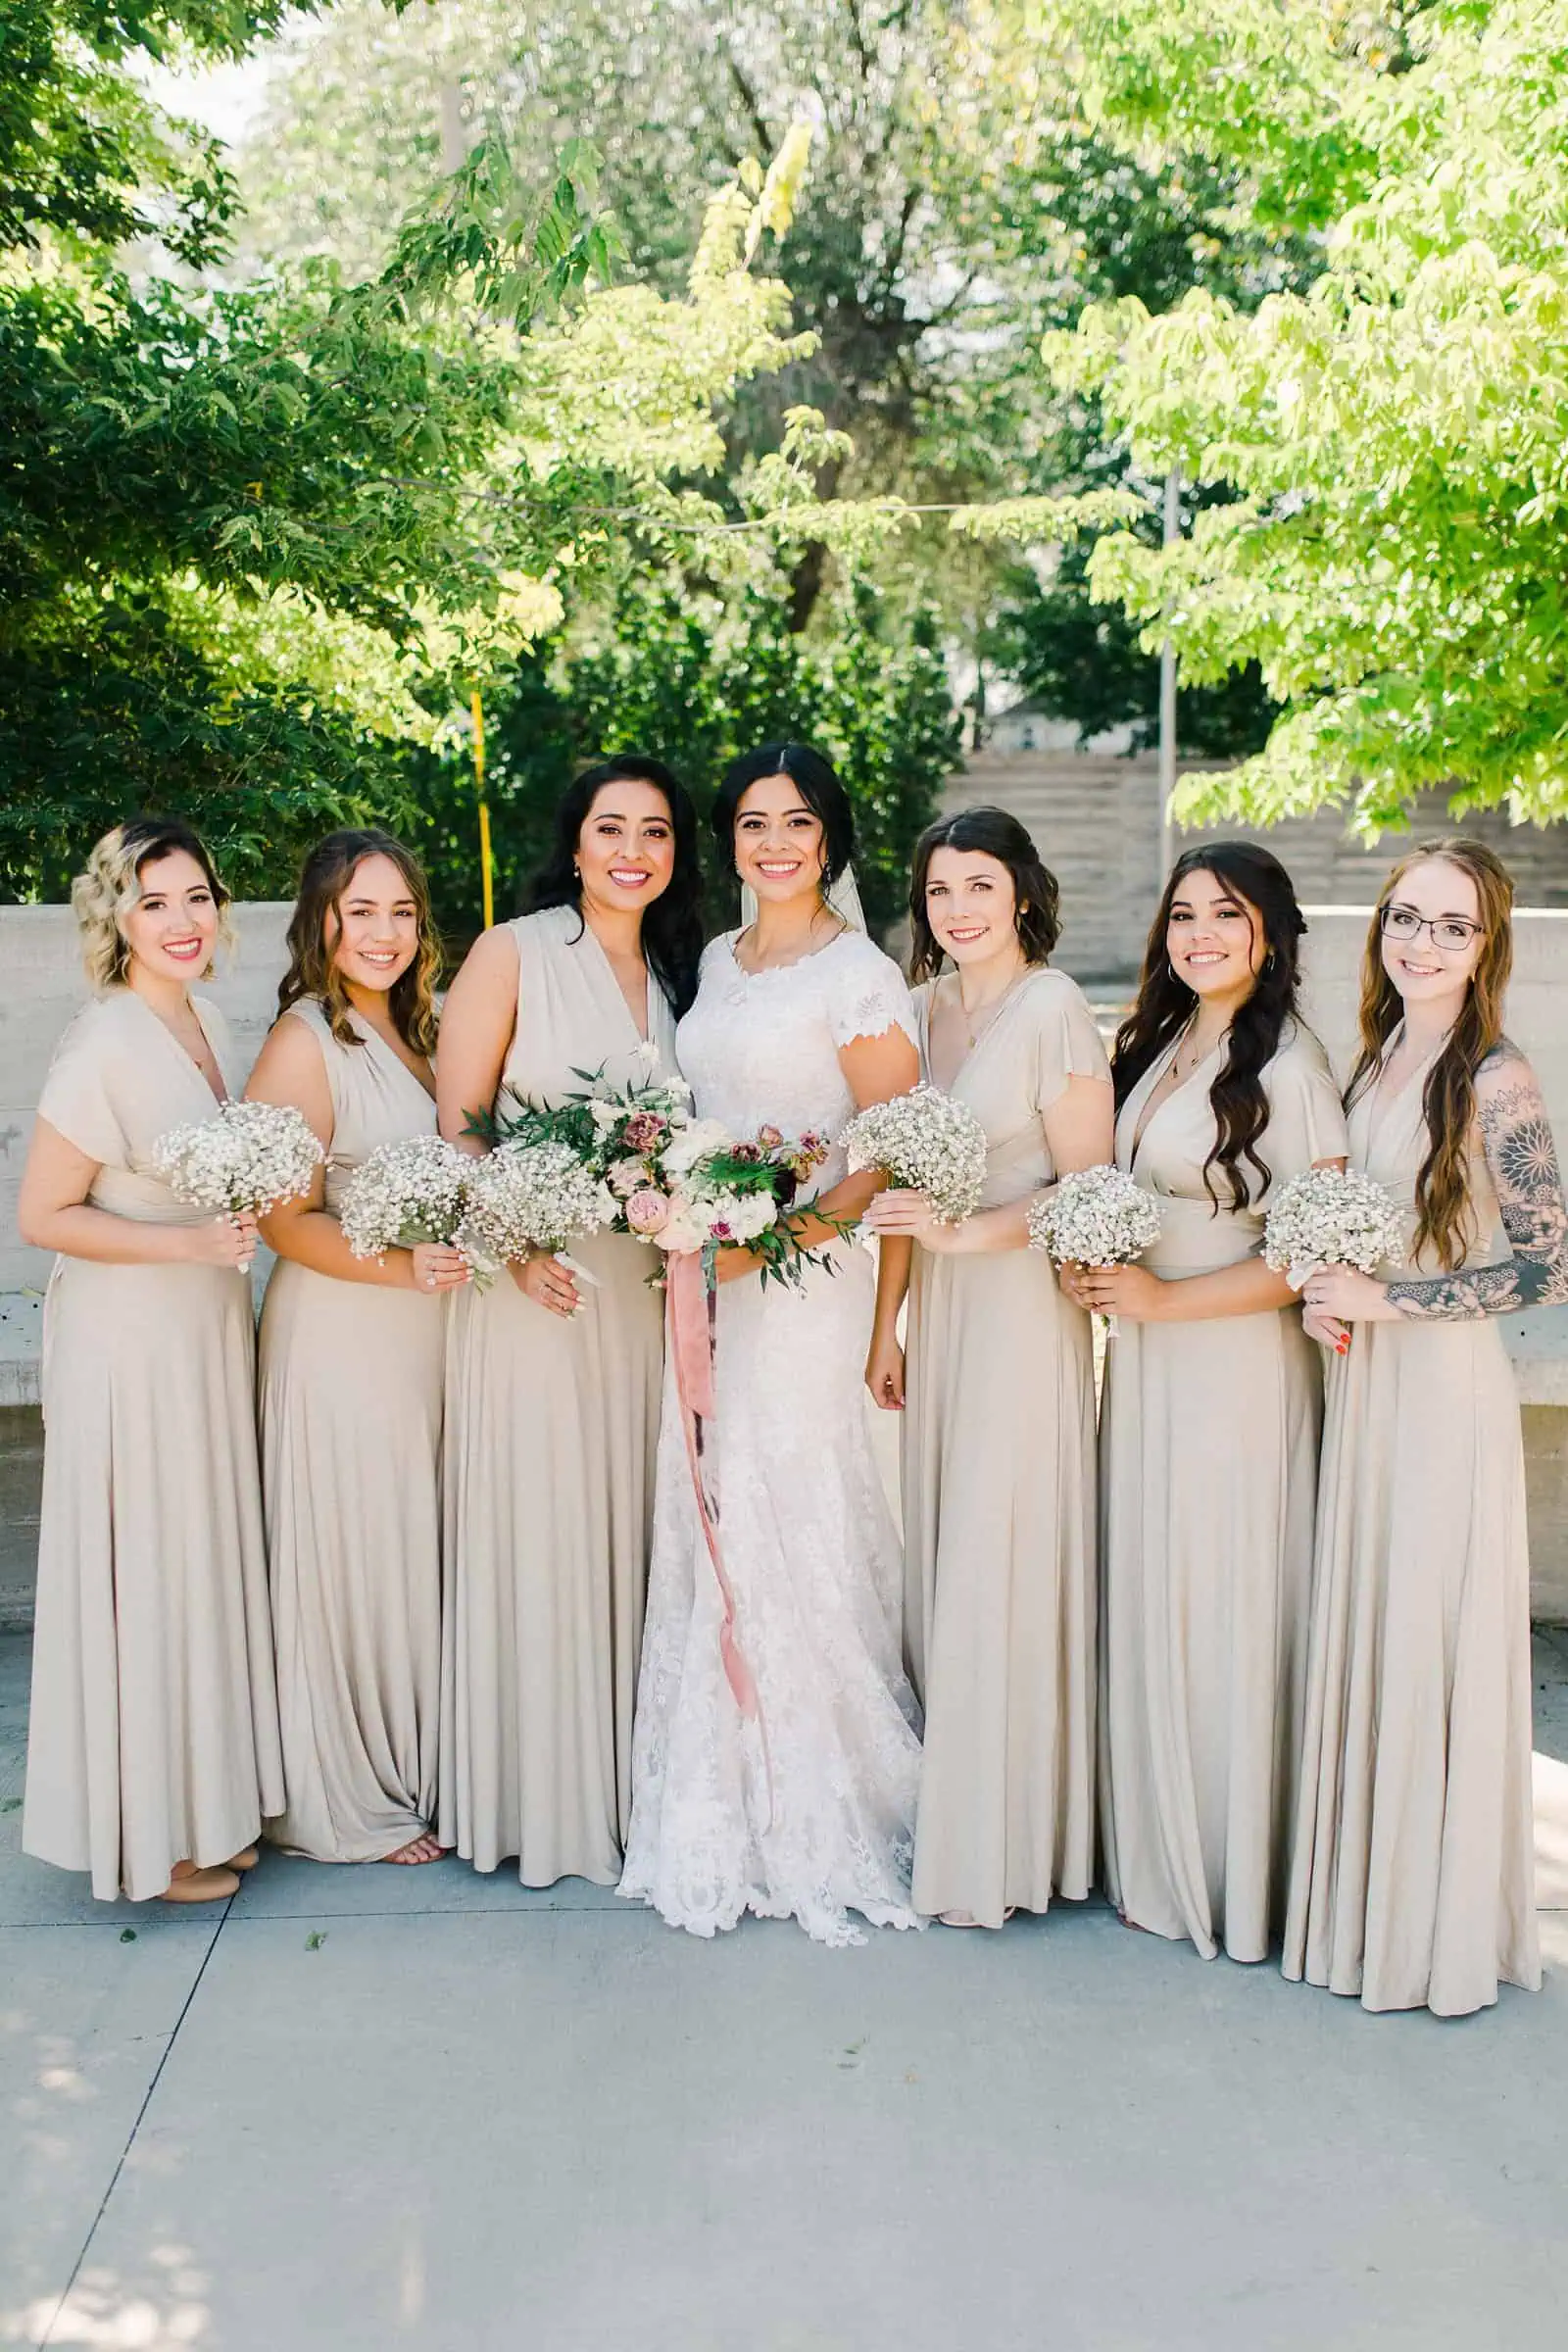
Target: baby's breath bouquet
x,y
927,1140
246,1159
1095,1217
524,1196
1325,1219
406,1193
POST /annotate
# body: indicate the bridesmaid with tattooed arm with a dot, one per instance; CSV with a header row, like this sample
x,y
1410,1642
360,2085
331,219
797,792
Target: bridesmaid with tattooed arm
x,y
1412,1867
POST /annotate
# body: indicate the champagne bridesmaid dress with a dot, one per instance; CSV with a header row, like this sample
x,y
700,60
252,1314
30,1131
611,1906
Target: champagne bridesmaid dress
x,y
153,1724
351,1387
1412,1872
998,1505
552,1430
1208,1473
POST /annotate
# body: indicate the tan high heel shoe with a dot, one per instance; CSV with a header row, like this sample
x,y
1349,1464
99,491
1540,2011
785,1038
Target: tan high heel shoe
x,y
246,1859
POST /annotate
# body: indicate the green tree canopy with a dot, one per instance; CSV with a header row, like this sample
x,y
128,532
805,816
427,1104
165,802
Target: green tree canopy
x,y
255,541
1394,442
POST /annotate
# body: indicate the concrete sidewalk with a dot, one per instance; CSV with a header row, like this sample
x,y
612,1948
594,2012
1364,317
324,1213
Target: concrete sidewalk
x,y
370,2109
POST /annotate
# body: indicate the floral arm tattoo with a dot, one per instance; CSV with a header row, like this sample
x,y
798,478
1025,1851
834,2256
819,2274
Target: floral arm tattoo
x,y
1523,1160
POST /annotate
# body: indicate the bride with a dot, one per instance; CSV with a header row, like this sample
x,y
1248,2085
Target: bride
x,y
803,1805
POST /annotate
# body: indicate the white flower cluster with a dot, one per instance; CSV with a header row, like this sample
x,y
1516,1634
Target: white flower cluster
x,y
1095,1217
251,1157
702,1210
526,1197
1323,1218
927,1140
403,1193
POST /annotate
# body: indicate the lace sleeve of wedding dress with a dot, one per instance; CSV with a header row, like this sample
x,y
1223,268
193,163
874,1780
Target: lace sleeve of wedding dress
x,y
870,995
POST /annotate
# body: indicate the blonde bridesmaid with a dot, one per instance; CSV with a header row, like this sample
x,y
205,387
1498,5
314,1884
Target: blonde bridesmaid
x,y
997,1386
352,1365
1412,1873
153,1744
553,1388
1210,1427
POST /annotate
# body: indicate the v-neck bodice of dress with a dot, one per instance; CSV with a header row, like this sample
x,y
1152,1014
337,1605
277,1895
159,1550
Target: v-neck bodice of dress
x,y
1042,1036
1166,1152
1388,1142
573,1017
119,1082
376,1098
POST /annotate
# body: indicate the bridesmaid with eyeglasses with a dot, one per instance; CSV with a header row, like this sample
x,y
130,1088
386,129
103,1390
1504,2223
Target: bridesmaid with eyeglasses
x,y
1412,1872
1209,1424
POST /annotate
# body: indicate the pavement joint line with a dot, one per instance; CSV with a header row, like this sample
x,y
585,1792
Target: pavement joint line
x,y
65,2292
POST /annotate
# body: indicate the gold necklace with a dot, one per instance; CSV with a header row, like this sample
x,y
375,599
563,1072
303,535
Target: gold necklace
x,y
974,1033
1198,1060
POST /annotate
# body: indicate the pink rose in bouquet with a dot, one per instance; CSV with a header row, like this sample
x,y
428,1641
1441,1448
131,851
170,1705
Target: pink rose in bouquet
x,y
647,1211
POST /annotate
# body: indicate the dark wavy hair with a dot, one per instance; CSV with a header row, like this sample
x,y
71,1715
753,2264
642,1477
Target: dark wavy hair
x,y
817,783
1443,1216
997,834
672,925
312,971
1254,879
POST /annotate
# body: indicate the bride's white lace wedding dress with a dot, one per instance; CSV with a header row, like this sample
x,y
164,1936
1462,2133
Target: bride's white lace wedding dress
x,y
822,1825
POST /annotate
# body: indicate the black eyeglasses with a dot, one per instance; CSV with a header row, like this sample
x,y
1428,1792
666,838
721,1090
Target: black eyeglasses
x,y
1451,934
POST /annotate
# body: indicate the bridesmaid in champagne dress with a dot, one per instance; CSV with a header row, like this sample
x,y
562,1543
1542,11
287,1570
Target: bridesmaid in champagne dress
x,y
352,1366
153,1750
551,1412
1412,1870
999,1395
1209,1428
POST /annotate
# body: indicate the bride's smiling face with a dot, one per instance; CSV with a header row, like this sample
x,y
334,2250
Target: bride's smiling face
x,y
779,842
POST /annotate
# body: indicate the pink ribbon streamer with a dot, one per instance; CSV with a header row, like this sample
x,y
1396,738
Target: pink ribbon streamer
x,y
688,1333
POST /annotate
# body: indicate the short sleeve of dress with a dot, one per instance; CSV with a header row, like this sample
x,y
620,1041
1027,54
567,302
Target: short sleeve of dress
x,y
78,1093
866,993
1307,1119
1067,1043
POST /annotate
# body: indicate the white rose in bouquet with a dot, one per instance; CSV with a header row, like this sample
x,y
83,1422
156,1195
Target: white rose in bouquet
x,y
696,1140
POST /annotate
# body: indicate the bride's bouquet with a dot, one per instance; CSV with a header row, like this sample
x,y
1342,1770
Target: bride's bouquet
x,y
705,1190
927,1140
1325,1219
681,1185
418,1190
244,1160
1095,1217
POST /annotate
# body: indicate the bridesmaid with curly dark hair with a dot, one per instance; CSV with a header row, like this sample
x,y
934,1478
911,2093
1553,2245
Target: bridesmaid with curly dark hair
x,y
1413,1880
1210,1427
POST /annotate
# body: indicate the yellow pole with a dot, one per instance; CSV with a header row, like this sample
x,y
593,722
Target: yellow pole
x,y
486,869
